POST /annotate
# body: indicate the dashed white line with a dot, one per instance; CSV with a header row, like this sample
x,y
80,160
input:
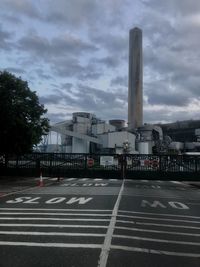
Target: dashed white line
x,y
71,179
50,234
157,240
53,219
159,224
53,214
157,219
159,214
82,210
52,225
54,245
155,231
153,251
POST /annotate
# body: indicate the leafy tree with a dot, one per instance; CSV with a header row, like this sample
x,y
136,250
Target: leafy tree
x,y
21,116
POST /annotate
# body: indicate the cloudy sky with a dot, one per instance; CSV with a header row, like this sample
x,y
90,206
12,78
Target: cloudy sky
x,y
74,54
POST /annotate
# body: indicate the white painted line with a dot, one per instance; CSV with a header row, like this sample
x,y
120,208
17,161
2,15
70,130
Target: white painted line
x,y
52,225
107,242
159,214
176,182
114,179
50,234
156,231
19,191
153,251
53,219
82,210
158,224
98,179
153,195
50,245
53,214
157,240
71,179
82,179
157,219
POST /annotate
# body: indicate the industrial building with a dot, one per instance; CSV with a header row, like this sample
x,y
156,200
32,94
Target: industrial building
x,y
85,133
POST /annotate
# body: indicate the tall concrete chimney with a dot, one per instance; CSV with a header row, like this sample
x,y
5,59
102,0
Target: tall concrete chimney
x,y
135,91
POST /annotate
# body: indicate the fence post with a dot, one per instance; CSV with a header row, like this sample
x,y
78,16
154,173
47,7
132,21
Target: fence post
x,y
38,166
122,160
196,163
160,164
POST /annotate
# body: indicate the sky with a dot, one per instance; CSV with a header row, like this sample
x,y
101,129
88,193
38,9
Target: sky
x,y
74,55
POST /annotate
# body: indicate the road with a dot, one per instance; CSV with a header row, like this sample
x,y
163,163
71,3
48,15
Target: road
x,y
96,222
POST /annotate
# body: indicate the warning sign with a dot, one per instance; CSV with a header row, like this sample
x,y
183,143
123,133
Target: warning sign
x,y
90,162
106,160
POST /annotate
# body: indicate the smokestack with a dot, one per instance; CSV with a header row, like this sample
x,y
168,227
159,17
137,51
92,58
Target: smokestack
x,y
135,91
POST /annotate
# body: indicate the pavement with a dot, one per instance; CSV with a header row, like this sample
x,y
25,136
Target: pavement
x,y
99,222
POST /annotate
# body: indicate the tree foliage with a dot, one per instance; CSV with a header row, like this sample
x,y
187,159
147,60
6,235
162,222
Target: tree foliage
x,y
21,116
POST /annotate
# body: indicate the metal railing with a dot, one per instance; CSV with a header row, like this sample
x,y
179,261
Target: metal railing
x,y
98,165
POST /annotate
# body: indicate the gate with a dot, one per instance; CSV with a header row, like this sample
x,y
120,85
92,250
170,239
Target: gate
x,y
131,166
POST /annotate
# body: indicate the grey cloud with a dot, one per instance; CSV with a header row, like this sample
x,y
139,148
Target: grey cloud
x,y
71,67
67,86
58,117
120,80
104,103
58,97
16,70
11,19
41,74
5,37
59,46
166,116
160,93
22,7
115,44
109,61
182,7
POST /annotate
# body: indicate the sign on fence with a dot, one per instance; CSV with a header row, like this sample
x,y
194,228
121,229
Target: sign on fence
x,y
90,162
106,160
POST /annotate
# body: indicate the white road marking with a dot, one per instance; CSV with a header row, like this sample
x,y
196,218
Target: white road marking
x,y
98,179
153,195
157,219
176,182
71,179
53,214
82,179
159,214
82,210
53,219
158,224
51,225
53,245
153,251
156,231
107,242
157,240
50,233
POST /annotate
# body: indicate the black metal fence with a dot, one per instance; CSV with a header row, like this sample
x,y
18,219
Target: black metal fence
x,y
167,167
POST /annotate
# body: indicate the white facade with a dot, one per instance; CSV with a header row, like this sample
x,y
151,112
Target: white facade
x,y
145,147
102,128
116,140
80,145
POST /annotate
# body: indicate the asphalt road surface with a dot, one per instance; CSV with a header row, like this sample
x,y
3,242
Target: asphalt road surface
x,y
98,223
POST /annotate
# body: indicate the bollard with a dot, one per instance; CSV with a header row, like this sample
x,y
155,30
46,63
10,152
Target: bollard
x,y
41,182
